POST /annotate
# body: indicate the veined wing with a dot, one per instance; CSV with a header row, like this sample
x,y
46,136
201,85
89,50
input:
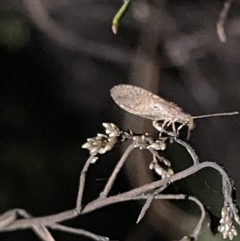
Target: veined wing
x,y
143,103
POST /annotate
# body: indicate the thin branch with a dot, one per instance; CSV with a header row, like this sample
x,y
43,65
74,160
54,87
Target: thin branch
x,y
118,167
40,230
198,227
7,218
46,220
148,203
82,182
78,231
159,158
222,19
99,203
43,233
148,187
189,149
102,238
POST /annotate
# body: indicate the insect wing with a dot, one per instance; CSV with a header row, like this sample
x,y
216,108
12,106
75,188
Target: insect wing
x,y
141,102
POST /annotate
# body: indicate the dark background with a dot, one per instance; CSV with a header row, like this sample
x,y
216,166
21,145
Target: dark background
x,y
58,61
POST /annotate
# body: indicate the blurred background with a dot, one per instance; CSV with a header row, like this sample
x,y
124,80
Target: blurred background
x,y
58,61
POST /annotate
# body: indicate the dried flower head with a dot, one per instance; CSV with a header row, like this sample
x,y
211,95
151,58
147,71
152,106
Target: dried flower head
x,y
103,142
147,142
227,227
157,145
163,172
111,130
140,142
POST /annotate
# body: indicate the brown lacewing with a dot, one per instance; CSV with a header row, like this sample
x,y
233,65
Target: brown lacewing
x,y
141,102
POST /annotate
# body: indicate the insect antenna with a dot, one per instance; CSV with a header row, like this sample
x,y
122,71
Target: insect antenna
x,y
217,114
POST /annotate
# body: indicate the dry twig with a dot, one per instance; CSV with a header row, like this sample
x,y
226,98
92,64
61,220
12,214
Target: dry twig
x,y
103,143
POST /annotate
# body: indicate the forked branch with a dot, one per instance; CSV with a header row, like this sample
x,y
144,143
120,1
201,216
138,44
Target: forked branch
x,y
105,142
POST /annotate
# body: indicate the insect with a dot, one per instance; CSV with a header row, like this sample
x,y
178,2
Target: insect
x,y
141,102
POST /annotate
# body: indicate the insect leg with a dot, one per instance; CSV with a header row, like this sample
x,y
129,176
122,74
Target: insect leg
x,y
165,123
160,127
180,127
172,122
174,127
